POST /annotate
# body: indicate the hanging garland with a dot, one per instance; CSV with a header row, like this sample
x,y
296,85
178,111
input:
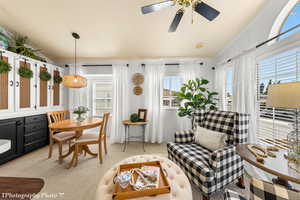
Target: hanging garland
x,y
25,72
45,76
4,67
57,79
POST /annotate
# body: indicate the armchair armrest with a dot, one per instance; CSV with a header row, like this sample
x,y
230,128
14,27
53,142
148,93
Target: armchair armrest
x,y
227,164
184,136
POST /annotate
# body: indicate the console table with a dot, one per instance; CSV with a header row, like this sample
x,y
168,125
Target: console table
x,y
127,124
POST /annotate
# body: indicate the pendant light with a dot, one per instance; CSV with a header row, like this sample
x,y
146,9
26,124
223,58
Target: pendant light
x,y
75,81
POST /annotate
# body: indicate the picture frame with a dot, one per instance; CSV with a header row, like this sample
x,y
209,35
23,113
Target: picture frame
x,y
142,113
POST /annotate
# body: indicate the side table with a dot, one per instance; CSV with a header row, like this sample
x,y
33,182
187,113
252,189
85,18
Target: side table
x,y
127,124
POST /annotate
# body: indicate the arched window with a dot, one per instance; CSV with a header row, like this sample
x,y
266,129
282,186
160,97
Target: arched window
x,y
292,20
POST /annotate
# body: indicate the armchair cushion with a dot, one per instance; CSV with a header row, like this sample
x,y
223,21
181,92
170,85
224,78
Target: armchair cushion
x,y
184,136
227,164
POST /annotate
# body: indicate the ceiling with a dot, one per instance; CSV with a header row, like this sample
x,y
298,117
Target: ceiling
x,y
117,29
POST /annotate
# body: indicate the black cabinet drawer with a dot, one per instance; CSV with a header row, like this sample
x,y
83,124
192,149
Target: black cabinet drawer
x,y
42,125
35,145
35,136
35,119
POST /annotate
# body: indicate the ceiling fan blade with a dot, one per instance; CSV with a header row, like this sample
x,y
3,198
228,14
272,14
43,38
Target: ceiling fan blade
x,y
176,20
157,6
206,11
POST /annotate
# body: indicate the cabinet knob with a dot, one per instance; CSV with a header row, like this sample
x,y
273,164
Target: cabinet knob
x,y
17,84
11,83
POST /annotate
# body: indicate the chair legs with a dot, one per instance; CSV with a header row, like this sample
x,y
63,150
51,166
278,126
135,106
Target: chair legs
x,y
100,152
60,150
50,148
105,146
241,182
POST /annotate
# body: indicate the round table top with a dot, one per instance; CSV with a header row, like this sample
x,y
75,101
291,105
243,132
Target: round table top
x,y
179,183
128,122
277,166
73,124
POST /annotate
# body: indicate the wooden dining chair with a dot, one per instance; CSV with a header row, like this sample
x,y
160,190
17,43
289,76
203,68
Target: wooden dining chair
x,y
59,137
81,144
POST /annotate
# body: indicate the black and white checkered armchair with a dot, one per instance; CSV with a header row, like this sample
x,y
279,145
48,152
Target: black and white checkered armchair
x,y
210,170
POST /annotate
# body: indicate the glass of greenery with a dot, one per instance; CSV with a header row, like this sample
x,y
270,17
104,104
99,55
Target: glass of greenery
x,y
194,97
80,111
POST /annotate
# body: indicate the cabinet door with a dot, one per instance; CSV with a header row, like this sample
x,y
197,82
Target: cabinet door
x,y
7,85
57,92
25,87
43,87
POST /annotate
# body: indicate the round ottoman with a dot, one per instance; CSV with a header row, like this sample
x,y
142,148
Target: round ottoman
x,y
180,185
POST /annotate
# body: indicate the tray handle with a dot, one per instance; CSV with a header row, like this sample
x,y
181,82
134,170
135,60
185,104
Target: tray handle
x,y
165,172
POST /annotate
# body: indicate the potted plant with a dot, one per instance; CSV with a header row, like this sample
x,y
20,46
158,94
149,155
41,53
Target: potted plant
x,y
195,97
80,111
4,67
45,76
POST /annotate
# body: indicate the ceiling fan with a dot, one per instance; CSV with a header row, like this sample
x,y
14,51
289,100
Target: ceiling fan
x,y
197,5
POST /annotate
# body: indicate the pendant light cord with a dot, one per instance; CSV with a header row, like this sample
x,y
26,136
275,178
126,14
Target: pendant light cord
x,y
75,57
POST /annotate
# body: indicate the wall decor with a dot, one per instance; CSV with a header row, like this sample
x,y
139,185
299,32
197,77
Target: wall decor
x,y
142,113
138,79
4,66
25,72
137,90
45,76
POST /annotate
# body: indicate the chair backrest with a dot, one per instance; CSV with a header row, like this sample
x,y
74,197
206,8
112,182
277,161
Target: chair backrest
x,y
57,116
234,124
104,126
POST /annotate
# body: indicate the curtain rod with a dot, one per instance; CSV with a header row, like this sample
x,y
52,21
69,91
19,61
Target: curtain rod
x,y
261,44
101,65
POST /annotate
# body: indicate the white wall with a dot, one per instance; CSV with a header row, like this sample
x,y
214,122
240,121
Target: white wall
x,y
257,31
170,116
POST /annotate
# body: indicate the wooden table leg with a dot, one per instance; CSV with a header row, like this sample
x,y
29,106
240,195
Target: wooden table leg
x,y
144,136
124,148
74,158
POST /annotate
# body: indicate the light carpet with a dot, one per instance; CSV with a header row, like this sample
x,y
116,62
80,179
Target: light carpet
x,y
80,183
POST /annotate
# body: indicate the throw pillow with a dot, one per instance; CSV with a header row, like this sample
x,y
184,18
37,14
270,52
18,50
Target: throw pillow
x,y
210,139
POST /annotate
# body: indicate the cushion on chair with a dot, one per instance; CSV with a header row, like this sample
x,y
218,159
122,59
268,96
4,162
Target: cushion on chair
x,y
232,195
88,138
261,190
64,136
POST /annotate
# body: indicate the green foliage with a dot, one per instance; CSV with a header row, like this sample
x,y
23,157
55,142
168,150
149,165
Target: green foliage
x,y
4,67
195,96
184,3
45,76
134,117
18,45
57,79
80,110
25,72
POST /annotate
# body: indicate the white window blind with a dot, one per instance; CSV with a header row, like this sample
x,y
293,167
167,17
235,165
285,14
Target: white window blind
x,y
275,123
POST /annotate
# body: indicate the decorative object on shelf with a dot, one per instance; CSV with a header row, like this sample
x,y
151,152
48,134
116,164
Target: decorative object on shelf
x,y
137,90
261,152
17,44
4,66
45,76
134,117
57,79
142,114
80,111
25,72
287,95
138,79
75,81
195,97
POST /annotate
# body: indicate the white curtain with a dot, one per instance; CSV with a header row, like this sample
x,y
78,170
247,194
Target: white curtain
x,y
120,102
220,86
153,97
245,99
188,71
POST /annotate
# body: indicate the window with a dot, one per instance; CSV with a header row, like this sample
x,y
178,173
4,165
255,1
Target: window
x,y
171,85
102,101
292,20
282,68
229,89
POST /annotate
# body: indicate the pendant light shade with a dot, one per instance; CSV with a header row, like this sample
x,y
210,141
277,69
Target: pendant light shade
x,y
75,81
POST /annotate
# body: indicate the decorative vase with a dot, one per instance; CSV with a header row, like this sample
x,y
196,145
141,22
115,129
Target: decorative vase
x,y
80,117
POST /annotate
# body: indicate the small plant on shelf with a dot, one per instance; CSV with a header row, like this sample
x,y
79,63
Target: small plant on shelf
x,y
45,76
25,72
79,111
4,67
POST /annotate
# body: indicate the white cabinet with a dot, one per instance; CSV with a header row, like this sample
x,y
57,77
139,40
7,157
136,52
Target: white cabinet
x,y
25,90
18,94
7,84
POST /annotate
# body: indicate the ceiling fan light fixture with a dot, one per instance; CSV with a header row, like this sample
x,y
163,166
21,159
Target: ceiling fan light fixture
x,y
199,45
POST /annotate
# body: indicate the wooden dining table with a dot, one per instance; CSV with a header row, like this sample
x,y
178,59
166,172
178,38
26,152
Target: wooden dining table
x,y
78,127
